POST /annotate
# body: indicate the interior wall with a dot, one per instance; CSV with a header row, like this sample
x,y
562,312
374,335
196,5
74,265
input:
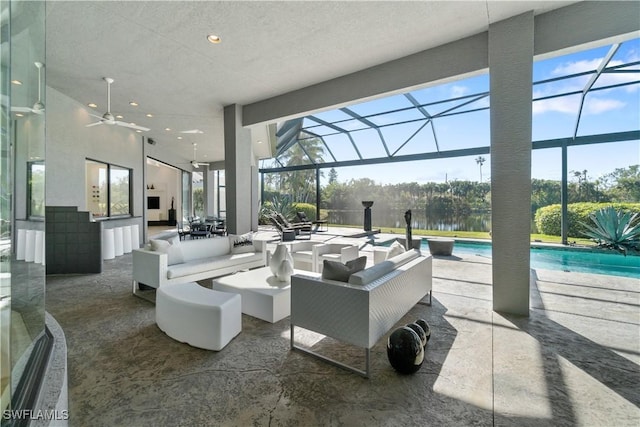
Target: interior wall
x,y
166,184
70,142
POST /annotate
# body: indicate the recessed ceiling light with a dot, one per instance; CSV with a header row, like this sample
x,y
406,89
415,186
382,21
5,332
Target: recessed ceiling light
x,y
19,114
179,137
149,115
139,131
259,141
132,124
16,82
133,103
167,129
119,116
92,105
213,39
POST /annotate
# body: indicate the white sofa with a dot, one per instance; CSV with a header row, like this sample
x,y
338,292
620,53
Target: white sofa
x,y
365,308
192,260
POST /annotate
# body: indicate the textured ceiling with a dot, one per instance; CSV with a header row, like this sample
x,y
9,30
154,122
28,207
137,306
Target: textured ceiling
x,y
158,54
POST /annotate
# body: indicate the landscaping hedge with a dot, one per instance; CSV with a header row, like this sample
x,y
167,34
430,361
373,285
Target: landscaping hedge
x,y
307,208
548,218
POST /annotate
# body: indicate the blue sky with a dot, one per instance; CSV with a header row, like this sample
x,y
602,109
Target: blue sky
x,y
604,111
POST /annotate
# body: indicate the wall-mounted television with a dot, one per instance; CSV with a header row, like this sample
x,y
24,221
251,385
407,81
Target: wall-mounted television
x,y
153,202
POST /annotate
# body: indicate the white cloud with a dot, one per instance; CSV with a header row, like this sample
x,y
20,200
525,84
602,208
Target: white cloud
x,y
593,105
597,105
605,79
569,105
459,91
577,67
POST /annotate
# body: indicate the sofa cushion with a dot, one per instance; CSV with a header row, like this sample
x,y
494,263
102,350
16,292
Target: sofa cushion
x,y
335,270
404,257
209,264
367,276
206,248
396,248
242,243
172,247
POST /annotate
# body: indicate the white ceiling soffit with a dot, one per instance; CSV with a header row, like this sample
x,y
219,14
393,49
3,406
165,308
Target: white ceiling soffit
x,y
159,56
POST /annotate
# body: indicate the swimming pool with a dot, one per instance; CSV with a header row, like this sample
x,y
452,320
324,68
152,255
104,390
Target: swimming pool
x,y
582,261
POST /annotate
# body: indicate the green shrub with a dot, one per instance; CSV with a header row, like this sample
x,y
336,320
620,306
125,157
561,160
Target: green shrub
x,y
307,208
548,218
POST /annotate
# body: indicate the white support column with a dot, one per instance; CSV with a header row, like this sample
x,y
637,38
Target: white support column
x,y
510,68
238,171
255,197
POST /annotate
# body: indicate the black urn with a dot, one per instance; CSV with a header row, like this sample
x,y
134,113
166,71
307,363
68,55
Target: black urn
x,y
418,330
425,327
405,350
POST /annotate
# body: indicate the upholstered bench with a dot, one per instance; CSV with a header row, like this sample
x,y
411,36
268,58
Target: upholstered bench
x,y
201,317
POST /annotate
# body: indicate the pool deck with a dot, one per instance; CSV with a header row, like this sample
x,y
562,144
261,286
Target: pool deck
x,y
574,361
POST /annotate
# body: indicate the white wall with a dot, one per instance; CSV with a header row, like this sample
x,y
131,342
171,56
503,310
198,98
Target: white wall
x,y
166,182
70,143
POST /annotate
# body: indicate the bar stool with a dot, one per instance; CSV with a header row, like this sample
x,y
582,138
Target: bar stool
x,y
108,244
30,247
135,236
21,244
38,247
118,241
126,239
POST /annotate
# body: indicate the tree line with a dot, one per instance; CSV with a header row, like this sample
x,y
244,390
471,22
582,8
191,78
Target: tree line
x,y
455,197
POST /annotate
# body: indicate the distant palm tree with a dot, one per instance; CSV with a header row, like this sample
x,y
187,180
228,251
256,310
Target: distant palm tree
x,y
480,160
300,184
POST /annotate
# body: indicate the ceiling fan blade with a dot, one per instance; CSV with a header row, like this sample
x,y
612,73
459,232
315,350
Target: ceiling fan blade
x,y
94,124
21,110
129,125
96,116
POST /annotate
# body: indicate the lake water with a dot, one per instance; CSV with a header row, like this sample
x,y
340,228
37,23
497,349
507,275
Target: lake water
x,y
419,220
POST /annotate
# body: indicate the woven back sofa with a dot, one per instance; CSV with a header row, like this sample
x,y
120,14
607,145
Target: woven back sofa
x,y
365,308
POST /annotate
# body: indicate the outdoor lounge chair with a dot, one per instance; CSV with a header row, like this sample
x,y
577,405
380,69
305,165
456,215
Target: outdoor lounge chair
x,y
302,227
317,223
287,234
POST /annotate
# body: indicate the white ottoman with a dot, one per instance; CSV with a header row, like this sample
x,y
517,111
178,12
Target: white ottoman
x,y
198,316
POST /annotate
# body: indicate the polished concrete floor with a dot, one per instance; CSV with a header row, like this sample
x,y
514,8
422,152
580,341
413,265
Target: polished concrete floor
x,y
574,362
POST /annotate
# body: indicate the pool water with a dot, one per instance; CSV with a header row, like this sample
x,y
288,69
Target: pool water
x,y
581,261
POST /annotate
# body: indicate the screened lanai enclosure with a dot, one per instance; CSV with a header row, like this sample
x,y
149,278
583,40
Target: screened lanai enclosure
x,y
586,109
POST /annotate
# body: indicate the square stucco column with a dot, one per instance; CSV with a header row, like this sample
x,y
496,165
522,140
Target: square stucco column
x,y
239,173
510,71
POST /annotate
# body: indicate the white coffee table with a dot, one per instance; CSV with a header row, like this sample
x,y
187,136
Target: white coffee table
x,y
263,296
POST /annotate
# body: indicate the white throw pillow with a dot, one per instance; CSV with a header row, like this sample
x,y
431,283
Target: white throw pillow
x,y
242,244
171,247
396,248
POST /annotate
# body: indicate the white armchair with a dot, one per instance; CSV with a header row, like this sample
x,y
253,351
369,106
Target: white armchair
x,y
302,254
342,252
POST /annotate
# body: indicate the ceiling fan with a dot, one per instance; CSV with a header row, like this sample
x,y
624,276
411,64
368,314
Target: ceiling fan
x,y
194,162
38,107
107,118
